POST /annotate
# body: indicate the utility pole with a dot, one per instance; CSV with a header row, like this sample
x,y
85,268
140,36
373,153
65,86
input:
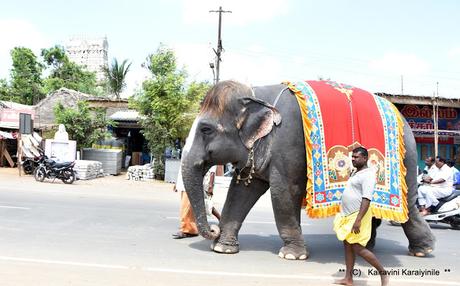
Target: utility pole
x,y
435,119
218,52
402,85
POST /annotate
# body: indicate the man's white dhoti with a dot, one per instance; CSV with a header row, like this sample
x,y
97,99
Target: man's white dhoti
x,y
428,195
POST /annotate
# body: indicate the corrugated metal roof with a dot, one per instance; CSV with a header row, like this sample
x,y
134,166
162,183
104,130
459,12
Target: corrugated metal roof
x,y
14,105
126,115
420,100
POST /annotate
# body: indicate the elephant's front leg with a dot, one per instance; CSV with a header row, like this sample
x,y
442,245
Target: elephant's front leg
x,y
287,202
240,200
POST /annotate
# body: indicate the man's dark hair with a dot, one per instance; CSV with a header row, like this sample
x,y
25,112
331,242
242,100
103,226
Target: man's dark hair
x,y
361,150
441,159
450,163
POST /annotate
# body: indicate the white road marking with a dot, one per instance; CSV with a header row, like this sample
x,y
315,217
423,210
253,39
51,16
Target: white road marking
x,y
10,228
58,262
217,273
13,207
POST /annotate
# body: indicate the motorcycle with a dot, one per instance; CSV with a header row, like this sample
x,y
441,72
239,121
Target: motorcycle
x,y
447,211
50,169
30,164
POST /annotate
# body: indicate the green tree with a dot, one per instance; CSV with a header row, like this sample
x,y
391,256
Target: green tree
x,y
116,76
83,125
26,82
167,105
4,90
194,95
65,73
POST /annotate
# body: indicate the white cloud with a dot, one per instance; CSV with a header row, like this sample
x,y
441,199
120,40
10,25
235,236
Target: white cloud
x,y
454,53
399,64
243,11
251,66
13,33
195,58
134,79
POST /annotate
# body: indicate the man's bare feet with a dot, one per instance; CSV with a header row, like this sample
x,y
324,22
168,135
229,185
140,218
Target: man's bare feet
x,y
344,281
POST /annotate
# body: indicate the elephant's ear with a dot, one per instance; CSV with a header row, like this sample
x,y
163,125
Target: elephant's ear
x,y
256,120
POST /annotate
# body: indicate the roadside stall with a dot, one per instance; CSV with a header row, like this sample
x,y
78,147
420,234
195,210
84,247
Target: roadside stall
x,y
10,113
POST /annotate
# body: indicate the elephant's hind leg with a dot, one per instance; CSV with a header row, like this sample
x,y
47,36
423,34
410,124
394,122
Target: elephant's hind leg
x,y
417,230
375,224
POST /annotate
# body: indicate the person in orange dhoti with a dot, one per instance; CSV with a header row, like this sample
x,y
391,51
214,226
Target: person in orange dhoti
x,y
353,224
187,227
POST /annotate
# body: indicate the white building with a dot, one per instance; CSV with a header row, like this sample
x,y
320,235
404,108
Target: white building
x,y
90,52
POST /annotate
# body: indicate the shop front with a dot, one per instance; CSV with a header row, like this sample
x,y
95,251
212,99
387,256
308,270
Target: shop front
x,y
427,117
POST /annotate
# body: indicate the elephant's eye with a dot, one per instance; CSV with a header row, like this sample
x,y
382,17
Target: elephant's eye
x,y
206,130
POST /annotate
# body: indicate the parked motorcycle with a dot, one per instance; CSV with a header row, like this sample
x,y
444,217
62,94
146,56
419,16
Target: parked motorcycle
x,y
50,169
447,211
30,164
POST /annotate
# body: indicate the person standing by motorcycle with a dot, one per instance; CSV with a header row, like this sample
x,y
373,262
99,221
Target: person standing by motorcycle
x,y
455,174
438,186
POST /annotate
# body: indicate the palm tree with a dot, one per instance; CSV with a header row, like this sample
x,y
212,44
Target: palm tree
x,y
116,76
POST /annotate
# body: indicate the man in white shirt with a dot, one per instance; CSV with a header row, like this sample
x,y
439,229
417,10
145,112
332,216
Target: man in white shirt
x,y
429,170
439,186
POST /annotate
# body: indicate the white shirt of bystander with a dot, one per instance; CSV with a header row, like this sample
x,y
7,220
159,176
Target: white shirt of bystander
x,y
444,173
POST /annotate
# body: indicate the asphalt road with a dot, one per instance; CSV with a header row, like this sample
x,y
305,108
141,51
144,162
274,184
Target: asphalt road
x,y
111,231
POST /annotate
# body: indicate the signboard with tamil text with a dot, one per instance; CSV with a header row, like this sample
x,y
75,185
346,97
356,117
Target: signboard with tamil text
x,y
420,119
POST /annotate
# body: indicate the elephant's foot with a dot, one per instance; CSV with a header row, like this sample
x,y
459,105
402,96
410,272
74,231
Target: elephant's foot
x,y
221,247
292,252
420,252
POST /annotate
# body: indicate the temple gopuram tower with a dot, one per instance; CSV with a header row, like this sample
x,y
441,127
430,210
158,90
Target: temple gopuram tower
x,y
90,52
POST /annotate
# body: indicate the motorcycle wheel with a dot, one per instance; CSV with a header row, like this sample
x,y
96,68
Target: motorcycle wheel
x,y
68,176
28,167
40,174
455,226
455,222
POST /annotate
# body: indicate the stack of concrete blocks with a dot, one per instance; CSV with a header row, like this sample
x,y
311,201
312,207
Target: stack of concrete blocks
x,y
171,170
140,173
88,170
110,159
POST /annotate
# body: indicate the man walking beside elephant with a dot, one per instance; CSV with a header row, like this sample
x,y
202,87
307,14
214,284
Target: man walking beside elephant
x,y
354,223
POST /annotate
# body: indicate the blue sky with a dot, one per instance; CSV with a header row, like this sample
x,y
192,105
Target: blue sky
x,y
368,44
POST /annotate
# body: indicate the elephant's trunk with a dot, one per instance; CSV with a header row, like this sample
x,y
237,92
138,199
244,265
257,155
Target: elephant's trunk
x,y
192,175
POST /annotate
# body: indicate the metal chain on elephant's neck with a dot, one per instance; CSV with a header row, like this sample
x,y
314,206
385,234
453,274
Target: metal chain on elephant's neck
x,y
250,162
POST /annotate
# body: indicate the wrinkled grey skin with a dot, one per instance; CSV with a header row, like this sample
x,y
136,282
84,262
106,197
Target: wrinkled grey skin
x,y
279,165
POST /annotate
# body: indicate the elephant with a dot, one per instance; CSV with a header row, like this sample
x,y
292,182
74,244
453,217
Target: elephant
x,y
244,126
